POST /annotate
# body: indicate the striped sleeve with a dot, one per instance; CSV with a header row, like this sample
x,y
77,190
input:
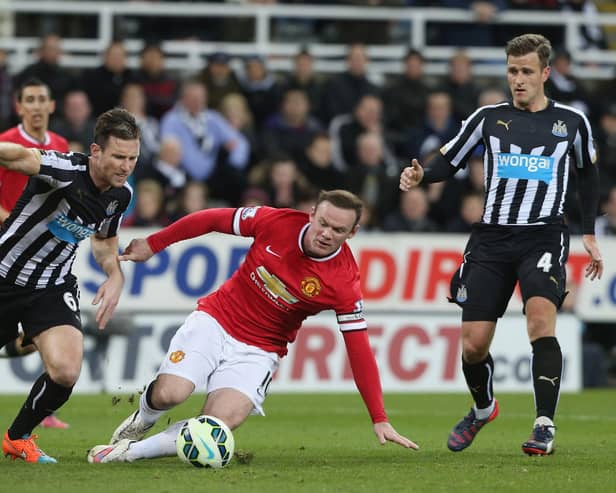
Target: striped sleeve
x,y
458,149
61,168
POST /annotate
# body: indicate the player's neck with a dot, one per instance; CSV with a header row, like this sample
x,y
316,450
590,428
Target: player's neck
x,y
38,134
538,104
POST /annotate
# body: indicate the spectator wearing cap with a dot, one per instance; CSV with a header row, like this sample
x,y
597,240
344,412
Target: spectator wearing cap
x,y
260,88
212,150
219,79
159,86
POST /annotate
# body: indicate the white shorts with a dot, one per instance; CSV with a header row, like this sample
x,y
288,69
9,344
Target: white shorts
x,y
204,353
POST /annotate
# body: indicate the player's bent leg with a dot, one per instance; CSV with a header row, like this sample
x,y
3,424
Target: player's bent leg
x,y
229,405
161,395
478,368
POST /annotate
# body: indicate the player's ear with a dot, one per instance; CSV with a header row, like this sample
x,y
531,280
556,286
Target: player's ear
x,y
52,106
354,231
95,150
546,73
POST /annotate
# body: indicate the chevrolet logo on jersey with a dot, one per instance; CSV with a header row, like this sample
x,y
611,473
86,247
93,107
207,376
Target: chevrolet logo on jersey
x,y
66,229
524,167
274,286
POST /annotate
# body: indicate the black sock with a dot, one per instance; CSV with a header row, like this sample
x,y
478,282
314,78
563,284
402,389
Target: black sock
x,y
148,396
547,371
479,380
45,397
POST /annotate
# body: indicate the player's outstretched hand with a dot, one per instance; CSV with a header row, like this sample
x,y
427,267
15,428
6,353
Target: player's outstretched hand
x,y
107,297
386,433
411,176
138,250
594,270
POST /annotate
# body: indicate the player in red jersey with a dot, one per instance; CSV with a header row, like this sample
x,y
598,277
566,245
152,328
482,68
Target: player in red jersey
x,y
34,104
297,266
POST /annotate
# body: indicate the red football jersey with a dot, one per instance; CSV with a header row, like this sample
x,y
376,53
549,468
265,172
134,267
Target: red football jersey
x,y
12,183
277,286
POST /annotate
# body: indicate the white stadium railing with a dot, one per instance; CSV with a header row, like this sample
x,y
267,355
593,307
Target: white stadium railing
x,y
190,55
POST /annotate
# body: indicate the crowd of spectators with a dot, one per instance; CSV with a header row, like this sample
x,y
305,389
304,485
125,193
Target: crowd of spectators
x,y
223,136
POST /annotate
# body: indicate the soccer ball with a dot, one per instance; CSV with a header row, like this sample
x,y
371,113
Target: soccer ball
x,y
205,441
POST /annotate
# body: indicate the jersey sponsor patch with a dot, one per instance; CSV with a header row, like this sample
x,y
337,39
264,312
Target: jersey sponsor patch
x,y
66,229
249,212
524,167
349,317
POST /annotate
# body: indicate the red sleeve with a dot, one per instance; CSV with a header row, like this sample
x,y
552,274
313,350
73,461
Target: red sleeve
x,y
191,226
365,373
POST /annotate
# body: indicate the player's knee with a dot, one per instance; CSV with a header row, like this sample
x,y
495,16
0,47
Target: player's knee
x,y
64,374
474,352
167,396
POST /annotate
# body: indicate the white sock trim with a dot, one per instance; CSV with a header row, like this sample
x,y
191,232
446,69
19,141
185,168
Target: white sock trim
x,y
484,413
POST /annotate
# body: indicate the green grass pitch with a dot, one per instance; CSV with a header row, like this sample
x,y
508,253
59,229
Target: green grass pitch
x,y
324,443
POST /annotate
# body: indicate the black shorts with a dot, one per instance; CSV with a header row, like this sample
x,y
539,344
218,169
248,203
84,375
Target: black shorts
x,y
37,309
496,257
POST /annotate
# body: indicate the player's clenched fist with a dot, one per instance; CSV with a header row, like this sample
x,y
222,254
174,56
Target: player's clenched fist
x,y
411,176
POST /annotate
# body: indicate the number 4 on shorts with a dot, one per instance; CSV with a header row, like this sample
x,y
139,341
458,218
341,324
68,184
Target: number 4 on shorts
x,y
545,262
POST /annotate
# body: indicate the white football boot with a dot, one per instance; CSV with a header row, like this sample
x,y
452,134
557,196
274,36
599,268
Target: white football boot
x,y
132,428
101,454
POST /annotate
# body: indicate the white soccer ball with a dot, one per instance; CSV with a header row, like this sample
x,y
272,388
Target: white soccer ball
x,y
205,441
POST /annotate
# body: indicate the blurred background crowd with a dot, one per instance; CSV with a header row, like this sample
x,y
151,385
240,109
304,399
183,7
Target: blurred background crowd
x,y
235,132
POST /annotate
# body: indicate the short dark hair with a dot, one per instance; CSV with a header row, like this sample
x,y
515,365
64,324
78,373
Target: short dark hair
x,y
342,199
529,43
118,123
31,82
412,52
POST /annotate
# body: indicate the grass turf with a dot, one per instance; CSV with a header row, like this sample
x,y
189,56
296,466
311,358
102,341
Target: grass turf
x,y
324,443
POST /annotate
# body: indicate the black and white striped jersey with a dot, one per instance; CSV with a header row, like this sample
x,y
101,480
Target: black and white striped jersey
x,y
60,207
526,159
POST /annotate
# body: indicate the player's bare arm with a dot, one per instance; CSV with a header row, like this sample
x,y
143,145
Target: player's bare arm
x,y
138,250
594,270
19,158
105,251
3,214
411,176
386,433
